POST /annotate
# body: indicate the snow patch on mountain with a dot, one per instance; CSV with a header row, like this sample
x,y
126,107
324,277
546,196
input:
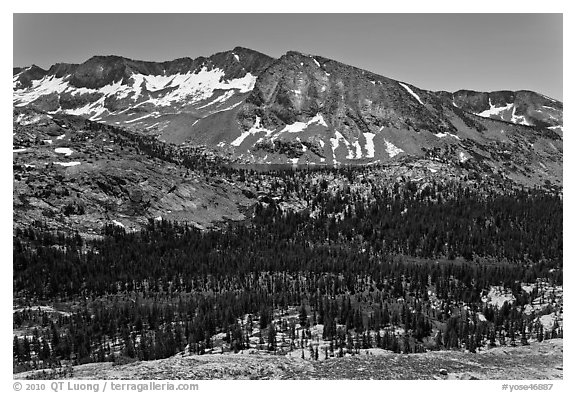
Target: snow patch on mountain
x,y
138,118
445,134
195,87
369,146
118,224
256,128
495,110
190,87
558,128
228,108
15,82
550,98
23,120
519,119
63,150
67,164
84,110
409,90
300,126
44,86
335,143
95,109
356,144
117,88
219,99
294,127
318,119
392,149
341,138
153,125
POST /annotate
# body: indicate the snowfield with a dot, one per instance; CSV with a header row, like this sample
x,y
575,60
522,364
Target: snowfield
x,y
158,90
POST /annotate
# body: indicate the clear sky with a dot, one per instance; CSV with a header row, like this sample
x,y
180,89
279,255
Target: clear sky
x,y
482,52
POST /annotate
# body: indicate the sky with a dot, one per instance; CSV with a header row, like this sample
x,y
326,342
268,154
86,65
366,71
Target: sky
x,y
483,52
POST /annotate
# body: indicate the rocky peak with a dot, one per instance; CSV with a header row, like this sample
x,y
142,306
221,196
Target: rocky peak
x,y
298,86
99,71
23,76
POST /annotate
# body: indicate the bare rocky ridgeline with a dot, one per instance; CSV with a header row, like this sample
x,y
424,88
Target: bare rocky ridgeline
x,y
536,361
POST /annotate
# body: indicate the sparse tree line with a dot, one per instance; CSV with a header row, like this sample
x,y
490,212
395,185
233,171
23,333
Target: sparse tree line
x,y
363,267
135,325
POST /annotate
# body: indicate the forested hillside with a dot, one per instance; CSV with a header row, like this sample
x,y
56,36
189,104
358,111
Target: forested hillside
x,y
356,263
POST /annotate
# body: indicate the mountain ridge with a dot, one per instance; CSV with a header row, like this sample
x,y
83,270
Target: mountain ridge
x,y
300,109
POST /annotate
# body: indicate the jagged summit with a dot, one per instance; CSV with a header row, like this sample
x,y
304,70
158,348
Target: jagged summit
x,y
101,70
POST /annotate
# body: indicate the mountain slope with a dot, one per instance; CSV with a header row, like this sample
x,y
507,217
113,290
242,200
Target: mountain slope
x,y
304,109
72,174
308,109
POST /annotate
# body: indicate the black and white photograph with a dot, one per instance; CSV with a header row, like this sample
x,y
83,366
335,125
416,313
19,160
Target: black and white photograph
x,y
286,196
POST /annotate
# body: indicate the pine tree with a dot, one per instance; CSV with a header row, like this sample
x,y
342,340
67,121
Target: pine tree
x,y
16,351
303,316
492,337
540,335
272,337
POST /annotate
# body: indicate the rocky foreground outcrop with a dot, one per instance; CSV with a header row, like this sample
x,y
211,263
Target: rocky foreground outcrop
x,y
535,361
